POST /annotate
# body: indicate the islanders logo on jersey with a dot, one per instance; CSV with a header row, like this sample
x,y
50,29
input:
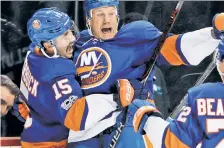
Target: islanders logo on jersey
x,y
93,66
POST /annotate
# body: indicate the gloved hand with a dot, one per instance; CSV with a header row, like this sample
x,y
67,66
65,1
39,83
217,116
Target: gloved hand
x,y
130,90
20,109
218,25
141,110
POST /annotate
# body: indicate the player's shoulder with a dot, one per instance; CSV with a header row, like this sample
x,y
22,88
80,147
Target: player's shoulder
x,y
47,69
83,38
207,90
207,87
138,25
140,28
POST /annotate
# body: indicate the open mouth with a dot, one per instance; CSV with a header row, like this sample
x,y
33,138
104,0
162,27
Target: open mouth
x,y
106,30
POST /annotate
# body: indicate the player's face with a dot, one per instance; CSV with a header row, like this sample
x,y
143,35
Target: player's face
x,y
64,44
104,22
7,100
220,66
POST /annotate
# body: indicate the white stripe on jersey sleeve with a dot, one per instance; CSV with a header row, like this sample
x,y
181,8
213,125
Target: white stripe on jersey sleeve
x,y
99,106
197,45
154,129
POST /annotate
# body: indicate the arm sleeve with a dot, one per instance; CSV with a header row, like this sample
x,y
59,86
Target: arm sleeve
x,y
188,48
183,132
77,112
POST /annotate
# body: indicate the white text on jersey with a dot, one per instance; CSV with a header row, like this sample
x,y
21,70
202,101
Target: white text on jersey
x,y
210,106
29,81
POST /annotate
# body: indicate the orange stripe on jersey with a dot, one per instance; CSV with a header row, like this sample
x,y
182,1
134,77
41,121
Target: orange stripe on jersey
x,y
23,110
60,144
74,116
148,143
151,101
38,51
171,141
140,113
169,51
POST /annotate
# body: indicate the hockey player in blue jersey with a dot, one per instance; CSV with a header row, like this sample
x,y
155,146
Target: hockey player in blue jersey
x,y
200,121
105,54
47,80
51,99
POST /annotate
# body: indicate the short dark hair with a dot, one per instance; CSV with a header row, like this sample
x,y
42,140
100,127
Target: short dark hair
x,y
7,82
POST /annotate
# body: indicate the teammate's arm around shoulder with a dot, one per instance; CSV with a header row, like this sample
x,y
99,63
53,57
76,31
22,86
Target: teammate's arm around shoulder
x,y
181,49
66,91
75,111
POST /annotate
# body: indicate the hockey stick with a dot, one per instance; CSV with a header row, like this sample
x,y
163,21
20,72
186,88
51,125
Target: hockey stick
x,y
200,80
150,64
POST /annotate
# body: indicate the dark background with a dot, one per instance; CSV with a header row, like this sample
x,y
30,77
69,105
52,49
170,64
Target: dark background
x,y
171,83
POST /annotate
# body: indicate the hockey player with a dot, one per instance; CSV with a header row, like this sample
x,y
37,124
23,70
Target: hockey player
x,y
47,80
201,120
106,54
49,89
13,100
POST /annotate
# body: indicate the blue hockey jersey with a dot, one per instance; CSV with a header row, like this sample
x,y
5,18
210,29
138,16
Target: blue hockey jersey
x,y
100,63
201,120
55,102
50,89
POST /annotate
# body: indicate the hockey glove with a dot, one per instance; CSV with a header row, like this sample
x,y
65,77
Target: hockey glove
x,y
20,109
129,90
218,26
140,111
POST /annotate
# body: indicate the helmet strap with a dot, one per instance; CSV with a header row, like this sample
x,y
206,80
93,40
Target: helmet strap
x,y
89,26
55,55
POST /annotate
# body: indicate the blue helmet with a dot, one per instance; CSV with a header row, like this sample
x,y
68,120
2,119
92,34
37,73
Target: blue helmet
x,y
91,4
47,24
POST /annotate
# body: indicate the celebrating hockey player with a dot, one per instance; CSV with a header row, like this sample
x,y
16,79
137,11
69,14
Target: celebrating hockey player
x,y
47,80
201,120
105,54
50,101
49,87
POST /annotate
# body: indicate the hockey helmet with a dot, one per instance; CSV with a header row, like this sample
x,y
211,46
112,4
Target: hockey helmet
x,y
91,4
46,24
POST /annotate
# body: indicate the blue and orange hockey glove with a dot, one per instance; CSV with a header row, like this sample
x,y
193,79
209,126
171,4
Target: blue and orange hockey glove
x,y
218,26
128,90
140,111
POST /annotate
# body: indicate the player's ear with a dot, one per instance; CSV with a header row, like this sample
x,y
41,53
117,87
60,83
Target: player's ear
x,y
48,48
